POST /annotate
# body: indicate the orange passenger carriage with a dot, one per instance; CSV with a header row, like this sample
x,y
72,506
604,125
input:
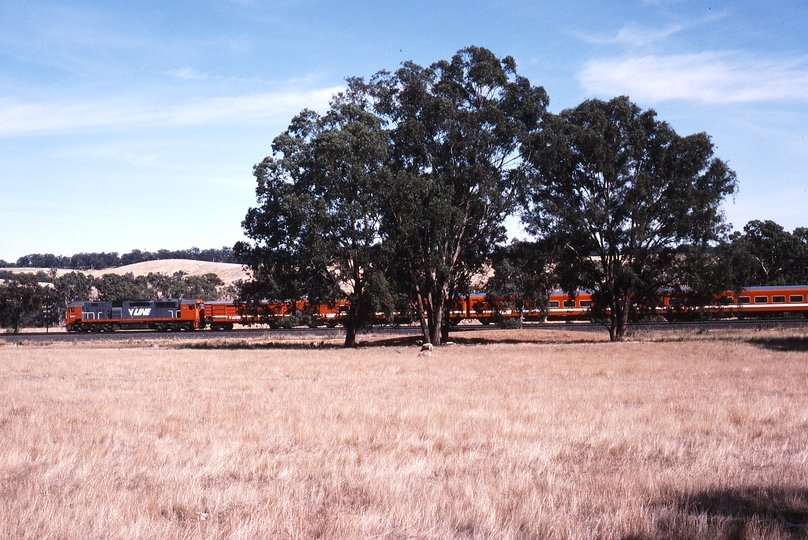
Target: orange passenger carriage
x,y
751,302
765,302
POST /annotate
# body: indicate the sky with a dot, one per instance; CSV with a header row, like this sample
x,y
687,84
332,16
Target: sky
x,y
136,125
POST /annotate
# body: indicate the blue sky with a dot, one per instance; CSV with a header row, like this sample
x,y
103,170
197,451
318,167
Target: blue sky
x,y
135,125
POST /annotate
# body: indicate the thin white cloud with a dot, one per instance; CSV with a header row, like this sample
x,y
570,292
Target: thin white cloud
x,y
17,117
706,77
187,74
633,36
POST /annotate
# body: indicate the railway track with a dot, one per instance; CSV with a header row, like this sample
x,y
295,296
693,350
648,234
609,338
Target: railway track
x,y
322,333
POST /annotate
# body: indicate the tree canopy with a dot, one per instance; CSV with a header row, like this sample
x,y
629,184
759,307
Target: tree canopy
x,y
417,168
20,300
316,231
455,131
406,181
621,191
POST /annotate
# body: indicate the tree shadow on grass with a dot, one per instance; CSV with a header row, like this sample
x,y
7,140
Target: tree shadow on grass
x,y
734,513
784,344
455,339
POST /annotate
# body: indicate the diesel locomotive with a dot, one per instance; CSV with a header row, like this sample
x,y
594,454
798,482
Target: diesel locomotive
x,y
162,315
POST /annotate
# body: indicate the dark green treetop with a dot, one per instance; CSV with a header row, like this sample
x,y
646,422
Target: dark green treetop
x,y
456,128
622,191
316,229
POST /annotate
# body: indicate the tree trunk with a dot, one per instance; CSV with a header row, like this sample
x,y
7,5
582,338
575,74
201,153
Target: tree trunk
x,y
421,319
436,309
356,308
619,318
350,326
445,325
436,333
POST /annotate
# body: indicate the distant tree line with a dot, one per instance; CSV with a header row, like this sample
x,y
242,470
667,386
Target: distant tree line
x,y
100,261
766,254
27,300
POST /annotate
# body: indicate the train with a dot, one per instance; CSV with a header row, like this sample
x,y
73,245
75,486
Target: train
x,y
162,315
195,314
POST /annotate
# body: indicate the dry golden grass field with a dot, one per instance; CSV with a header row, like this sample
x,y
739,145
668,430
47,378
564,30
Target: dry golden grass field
x,y
563,437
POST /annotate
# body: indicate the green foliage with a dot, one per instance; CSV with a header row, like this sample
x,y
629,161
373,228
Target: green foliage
x,y
20,300
52,308
508,323
401,187
456,129
205,287
621,191
316,230
74,286
298,318
767,254
521,276
112,287
155,286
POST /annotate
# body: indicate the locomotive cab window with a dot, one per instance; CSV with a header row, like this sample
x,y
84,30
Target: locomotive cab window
x,y
779,299
761,299
795,298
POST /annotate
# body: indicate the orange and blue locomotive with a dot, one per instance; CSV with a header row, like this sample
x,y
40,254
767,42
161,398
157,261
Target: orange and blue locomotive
x,y
162,315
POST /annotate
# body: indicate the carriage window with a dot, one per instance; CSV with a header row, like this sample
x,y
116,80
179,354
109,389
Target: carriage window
x,y
779,299
761,299
586,303
553,303
569,303
744,299
796,298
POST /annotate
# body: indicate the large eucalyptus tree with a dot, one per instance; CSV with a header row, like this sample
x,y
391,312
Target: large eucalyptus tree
x,y
456,128
621,191
316,229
